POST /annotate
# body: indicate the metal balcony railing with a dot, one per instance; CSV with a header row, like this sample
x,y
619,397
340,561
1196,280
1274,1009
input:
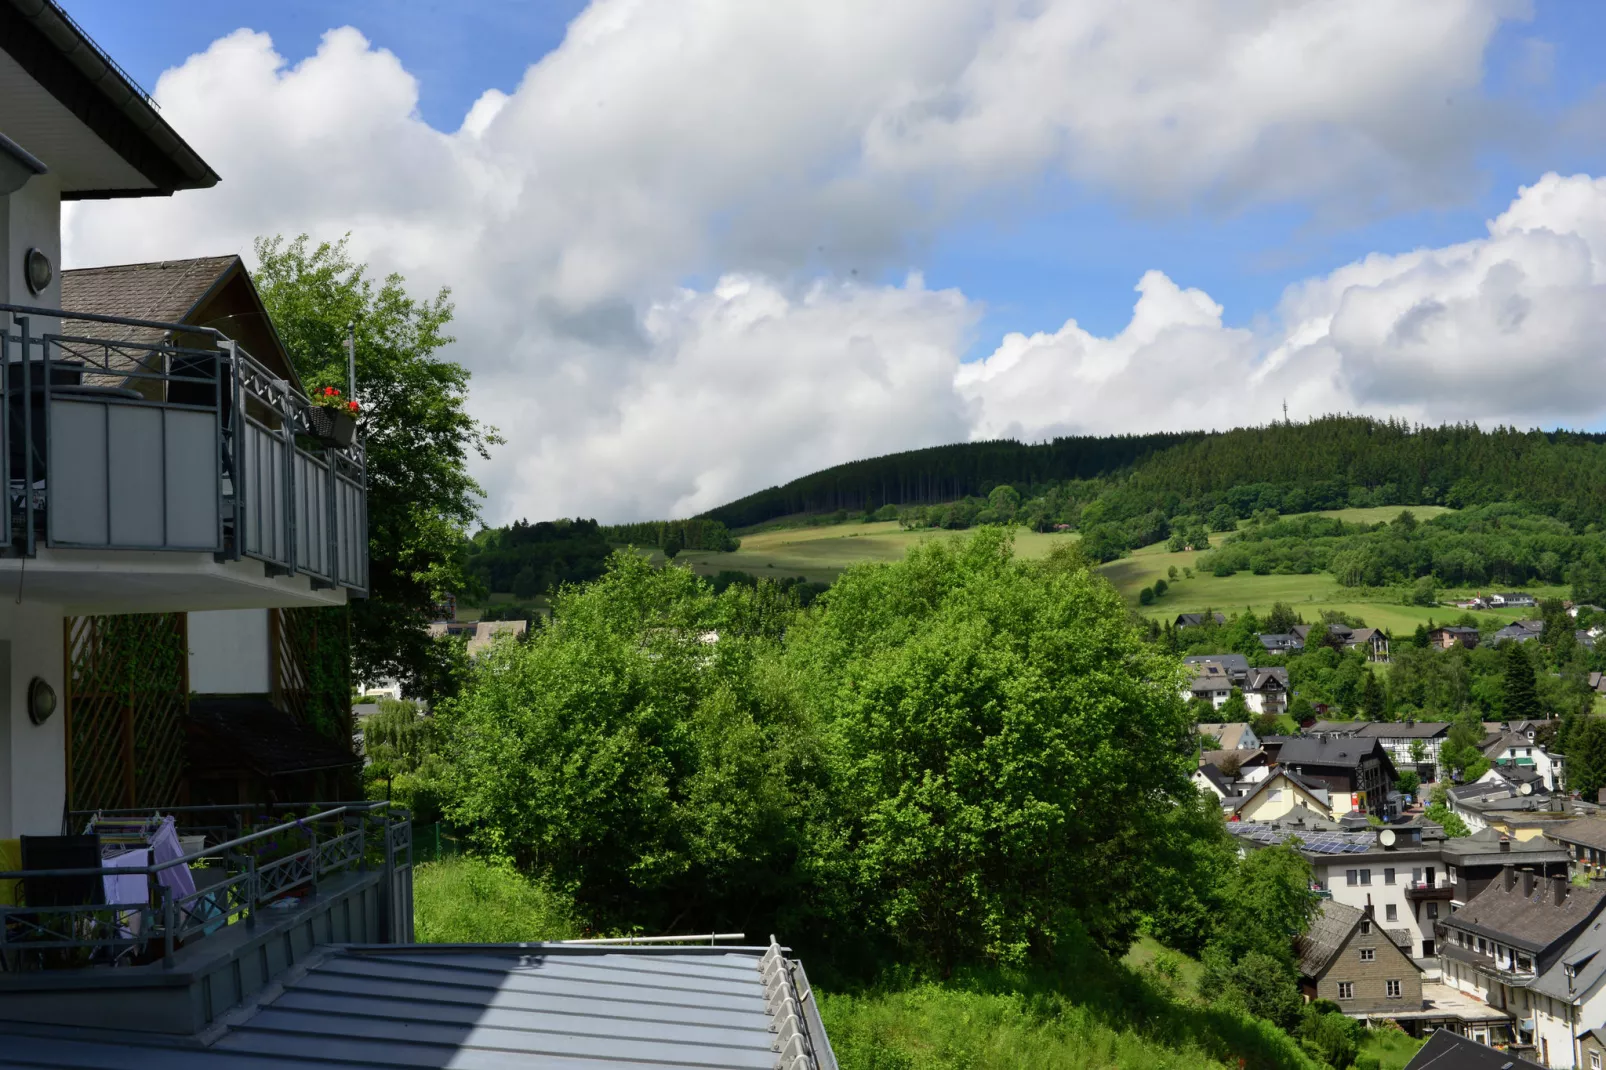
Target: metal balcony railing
x,y
109,443
252,863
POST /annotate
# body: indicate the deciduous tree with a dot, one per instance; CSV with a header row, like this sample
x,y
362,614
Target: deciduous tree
x,y
417,432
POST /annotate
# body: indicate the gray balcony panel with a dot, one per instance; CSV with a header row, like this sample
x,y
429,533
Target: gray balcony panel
x,y
78,473
193,501
135,467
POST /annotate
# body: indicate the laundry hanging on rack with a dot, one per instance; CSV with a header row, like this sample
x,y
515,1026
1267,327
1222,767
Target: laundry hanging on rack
x,y
128,889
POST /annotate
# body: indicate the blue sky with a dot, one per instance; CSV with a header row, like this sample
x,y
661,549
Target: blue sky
x,y
690,216
1065,252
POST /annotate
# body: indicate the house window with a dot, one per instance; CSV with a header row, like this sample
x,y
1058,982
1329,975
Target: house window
x,y
1368,954
1352,877
1391,913
1366,876
1594,1060
1433,911
1388,876
1480,945
1366,926
1391,989
1346,990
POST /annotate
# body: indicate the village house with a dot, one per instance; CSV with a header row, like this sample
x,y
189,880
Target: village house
x,y
1395,871
1404,739
1277,795
1472,863
1235,666
1447,637
1242,766
1358,773
1519,631
1510,600
1346,957
1516,752
1372,640
1196,620
1502,942
1229,735
1282,643
1584,840
1266,690
1212,685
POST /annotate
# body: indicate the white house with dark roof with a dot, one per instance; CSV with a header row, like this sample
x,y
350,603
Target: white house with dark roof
x,y
1267,690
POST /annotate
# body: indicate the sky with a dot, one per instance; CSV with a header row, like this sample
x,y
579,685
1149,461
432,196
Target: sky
x,y
699,248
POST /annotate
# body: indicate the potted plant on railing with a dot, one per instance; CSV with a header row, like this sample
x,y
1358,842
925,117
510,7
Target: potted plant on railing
x,y
333,418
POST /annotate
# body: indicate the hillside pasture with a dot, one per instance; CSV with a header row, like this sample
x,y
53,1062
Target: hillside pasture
x,y
822,553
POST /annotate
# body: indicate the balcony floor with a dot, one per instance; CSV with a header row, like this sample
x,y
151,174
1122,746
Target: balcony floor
x,y
84,582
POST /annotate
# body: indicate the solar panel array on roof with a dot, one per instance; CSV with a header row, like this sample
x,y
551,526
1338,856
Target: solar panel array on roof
x,y
492,1007
1321,842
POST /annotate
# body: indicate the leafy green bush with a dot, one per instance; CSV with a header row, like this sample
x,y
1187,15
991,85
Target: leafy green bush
x,y
468,900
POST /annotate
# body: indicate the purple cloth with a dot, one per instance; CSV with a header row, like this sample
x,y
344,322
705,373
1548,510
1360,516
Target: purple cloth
x,y
165,848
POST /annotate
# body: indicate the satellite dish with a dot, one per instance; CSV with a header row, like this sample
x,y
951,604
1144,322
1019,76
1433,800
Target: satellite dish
x,y
1526,789
1386,837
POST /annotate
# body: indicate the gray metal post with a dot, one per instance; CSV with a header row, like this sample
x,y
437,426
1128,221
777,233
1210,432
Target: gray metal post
x,y
251,887
351,360
167,927
27,436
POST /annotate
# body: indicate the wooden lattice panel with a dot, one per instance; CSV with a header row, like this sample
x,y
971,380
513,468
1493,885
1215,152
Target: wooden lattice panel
x,y
312,668
127,692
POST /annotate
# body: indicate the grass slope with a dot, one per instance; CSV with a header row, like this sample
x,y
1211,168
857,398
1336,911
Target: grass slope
x,y
822,553
1308,595
1091,1013
467,900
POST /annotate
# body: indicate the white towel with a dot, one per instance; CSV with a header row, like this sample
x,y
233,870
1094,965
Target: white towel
x,y
133,888
125,890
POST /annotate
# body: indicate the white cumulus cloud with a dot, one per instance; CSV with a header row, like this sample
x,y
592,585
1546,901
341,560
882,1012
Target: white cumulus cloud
x,y
663,241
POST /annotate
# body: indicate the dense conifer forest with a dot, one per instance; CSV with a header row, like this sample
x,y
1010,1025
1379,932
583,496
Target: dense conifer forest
x,y
1327,463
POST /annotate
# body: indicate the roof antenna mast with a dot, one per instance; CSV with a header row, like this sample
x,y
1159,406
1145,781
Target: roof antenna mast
x,y
351,360
1285,410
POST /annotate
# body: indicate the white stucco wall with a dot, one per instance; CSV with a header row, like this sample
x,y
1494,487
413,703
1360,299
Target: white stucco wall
x,y
33,758
229,653
30,218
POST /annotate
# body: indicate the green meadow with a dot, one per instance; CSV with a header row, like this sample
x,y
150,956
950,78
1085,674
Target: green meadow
x,y
822,553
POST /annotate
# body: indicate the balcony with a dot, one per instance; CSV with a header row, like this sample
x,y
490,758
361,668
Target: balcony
x,y
1419,891
138,469
128,947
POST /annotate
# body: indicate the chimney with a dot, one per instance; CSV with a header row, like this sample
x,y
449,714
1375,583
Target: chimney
x,y
1559,886
1508,877
1505,843
1528,882
1600,796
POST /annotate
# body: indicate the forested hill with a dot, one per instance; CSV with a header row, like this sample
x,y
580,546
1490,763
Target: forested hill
x,y
946,473
1560,473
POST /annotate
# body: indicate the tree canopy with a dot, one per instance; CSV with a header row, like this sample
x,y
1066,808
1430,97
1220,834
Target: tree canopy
x,y
417,432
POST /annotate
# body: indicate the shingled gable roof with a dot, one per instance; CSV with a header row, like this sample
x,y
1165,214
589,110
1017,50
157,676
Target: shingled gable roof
x,y
1346,752
174,291
1329,930
1533,922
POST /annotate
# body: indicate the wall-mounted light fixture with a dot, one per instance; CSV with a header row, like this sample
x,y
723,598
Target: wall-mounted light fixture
x,y
41,700
37,269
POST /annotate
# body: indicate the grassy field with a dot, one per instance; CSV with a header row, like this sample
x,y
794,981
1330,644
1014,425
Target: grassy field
x,y
1376,513
1391,1048
822,553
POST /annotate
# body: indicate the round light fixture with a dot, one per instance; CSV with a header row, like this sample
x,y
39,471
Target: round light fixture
x,y
41,700
38,270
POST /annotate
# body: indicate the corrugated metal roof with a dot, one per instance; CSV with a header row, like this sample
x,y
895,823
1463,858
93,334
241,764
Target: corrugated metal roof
x,y
489,1007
